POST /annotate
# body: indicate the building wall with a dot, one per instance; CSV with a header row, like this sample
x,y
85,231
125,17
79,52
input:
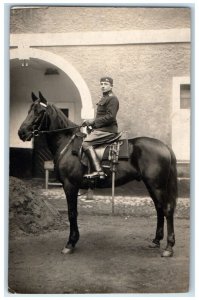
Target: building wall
x,y
142,81
142,70
75,19
142,73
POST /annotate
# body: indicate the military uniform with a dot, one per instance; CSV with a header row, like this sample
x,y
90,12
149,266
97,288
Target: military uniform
x,y
105,123
104,127
106,113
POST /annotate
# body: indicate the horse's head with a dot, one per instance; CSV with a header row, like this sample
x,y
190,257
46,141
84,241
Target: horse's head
x,y
35,118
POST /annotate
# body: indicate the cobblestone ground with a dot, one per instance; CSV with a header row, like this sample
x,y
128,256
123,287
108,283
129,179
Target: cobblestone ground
x,y
130,199
123,205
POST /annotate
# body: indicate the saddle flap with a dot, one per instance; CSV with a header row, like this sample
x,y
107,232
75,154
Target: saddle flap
x,y
123,150
102,152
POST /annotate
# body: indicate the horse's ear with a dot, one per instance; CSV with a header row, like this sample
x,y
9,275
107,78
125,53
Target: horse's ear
x,y
34,97
41,97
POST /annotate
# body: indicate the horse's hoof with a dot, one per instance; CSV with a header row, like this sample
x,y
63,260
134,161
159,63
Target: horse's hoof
x,y
67,251
167,253
154,245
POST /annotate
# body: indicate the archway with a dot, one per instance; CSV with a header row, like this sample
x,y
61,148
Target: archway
x,y
87,111
38,60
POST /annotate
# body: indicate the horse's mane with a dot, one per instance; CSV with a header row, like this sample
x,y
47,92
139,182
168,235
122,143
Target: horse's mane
x,y
57,118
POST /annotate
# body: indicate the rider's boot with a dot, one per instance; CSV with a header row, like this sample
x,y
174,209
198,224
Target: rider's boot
x,y
95,164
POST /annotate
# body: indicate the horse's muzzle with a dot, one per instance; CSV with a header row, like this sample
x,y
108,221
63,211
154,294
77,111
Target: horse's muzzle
x,y
24,135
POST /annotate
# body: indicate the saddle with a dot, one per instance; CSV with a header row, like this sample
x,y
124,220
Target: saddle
x,y
103,151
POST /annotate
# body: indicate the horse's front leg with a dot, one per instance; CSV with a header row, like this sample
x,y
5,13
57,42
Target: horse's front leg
x,y
71,195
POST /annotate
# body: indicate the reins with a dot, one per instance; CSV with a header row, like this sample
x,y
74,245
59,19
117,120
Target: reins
x,y
56,130
37,132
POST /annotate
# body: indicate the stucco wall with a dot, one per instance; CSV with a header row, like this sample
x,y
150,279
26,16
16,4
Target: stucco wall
x,y
70,19
142,73
142,81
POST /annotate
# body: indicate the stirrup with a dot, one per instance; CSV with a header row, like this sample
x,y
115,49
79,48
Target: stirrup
x,y
96,174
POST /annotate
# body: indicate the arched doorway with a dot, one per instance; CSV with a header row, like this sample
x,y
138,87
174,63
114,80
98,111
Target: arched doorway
x,y
54,59
60,83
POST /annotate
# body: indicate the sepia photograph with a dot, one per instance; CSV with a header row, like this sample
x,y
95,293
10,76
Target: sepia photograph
x,y
99,149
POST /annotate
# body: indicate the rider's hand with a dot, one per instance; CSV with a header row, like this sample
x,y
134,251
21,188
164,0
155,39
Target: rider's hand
x,y
88,123
89,129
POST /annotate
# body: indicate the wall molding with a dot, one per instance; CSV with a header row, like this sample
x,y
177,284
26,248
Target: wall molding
x,y
182,35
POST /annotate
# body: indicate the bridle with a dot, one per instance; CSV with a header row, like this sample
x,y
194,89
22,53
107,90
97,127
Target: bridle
x,y
38,131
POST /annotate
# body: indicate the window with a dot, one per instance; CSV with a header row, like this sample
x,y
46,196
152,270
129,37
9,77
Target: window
x,y
65,111
185,96
181,96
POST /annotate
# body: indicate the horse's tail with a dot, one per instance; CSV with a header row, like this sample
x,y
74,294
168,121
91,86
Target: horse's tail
x,y
172,184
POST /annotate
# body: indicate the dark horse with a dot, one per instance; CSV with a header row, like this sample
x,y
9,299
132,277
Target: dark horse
x,y
150,160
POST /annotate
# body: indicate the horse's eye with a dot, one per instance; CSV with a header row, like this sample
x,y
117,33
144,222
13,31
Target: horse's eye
x,y
35,109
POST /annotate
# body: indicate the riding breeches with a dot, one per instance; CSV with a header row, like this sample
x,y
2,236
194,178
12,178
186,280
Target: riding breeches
x,y
97,137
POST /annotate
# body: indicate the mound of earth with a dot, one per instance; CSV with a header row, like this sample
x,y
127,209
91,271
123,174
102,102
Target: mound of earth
x,y
29,212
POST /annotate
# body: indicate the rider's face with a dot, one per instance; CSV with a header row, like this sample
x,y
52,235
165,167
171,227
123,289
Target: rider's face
x,y
105,86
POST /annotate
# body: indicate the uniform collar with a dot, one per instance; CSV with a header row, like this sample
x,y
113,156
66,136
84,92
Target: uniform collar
x,y
104,97
109,93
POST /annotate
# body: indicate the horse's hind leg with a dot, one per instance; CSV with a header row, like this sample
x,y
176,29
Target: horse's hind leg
x,y
160,225
169,213
163,209
158,198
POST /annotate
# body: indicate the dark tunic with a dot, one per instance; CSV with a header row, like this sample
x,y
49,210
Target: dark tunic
x,y
105,124
107,109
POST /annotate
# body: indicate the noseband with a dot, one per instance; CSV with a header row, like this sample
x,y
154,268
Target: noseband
x,y
37,131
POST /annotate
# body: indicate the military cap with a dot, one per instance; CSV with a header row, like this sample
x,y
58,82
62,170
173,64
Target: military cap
x,y
107,79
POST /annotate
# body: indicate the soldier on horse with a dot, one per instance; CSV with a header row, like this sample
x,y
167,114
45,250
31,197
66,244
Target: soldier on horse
x,y
104,126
